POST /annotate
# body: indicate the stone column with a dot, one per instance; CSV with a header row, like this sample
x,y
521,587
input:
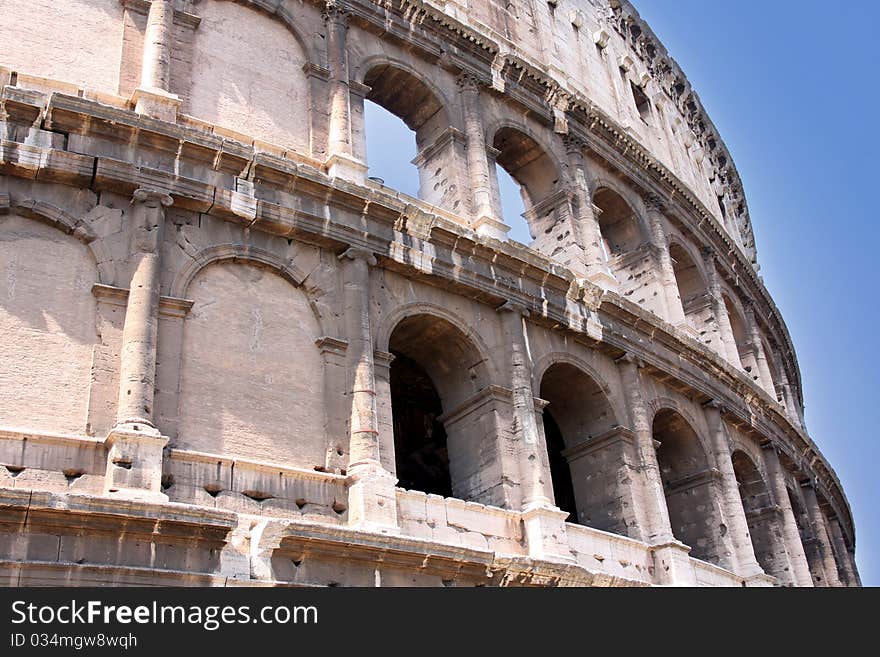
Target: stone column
x,y
672,298
765,377
535,482
589,236
842,553
791,536
134,461
658,528
672,564
544,524
153,97
738,538
340,159
372,500
483,213
817,523
719,309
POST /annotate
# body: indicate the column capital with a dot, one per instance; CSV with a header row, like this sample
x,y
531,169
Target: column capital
x,y
468,81
335,12
573,145
152,198
654,203
358,253
514,307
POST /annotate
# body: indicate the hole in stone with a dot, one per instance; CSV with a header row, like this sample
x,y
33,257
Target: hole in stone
x,y
339,451
343,471
320,468
300,503
167,481
15,470
448,582
332,584
125,464
257,496
212,489
339,507
72,474
296,562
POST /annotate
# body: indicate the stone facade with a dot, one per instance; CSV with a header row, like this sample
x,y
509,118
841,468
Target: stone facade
x,y
230,358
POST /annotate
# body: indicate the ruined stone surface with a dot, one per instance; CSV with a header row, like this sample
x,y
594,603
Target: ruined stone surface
x,y
228,358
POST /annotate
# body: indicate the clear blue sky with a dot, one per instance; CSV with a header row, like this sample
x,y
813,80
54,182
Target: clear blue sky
x,y
792,87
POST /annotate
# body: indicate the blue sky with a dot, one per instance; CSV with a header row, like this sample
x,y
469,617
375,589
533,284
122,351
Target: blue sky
x,y
792,87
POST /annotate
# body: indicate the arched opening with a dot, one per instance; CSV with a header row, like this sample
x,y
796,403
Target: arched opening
x,y
689,486
391,149
443,441
764,526
741,338
528,167
587,450
692,290
618,224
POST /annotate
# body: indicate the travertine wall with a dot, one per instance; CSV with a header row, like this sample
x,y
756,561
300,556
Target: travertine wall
x,y
203,296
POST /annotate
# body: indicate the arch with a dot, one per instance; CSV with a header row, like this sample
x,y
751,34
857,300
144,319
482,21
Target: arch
x,y
444,411
250,68
689,485
313,55
48,318
693,292
619,224
764,524
414,99
387,76
548,360
528,161
248,361
234,252
741,335
78,228
401,312
577,421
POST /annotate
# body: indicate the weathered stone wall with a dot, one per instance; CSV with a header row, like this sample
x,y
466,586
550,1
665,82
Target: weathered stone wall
x,y
203,298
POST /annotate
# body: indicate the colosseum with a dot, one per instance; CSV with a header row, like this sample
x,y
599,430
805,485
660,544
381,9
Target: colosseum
x,y
231,357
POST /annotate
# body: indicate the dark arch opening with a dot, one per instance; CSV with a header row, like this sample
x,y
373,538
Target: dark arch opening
x,y
688,485
560,471
692,290
438,447
578,411
618,223
420,448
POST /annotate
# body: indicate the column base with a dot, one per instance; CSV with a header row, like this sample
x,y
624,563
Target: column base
x,y
134,463
347,168
544,528
487,226
372,500
156,103
672,564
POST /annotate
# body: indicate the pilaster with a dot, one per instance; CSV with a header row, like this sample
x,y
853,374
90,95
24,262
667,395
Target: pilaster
x,y
134,460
